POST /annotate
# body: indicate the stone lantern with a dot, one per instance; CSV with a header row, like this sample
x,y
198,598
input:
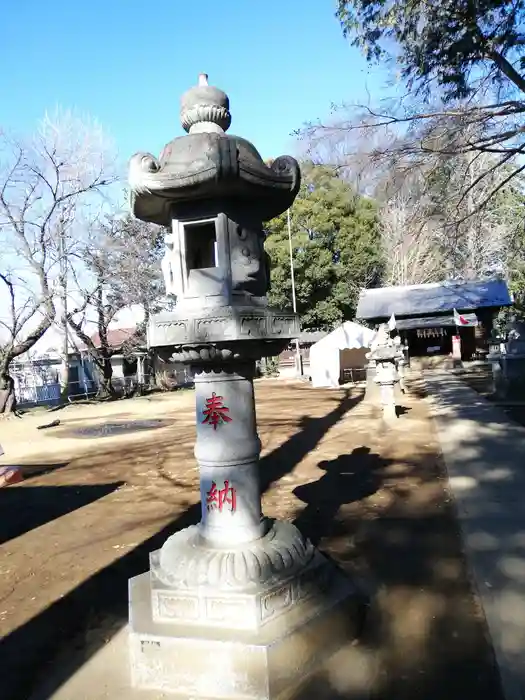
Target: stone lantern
x,y
239,605
385,355
400,362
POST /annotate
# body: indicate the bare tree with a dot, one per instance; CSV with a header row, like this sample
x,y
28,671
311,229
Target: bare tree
x,y
411,253
43,181
474,229
442,212
121,267
461,64
401,138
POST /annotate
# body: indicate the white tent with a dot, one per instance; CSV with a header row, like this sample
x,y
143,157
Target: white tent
x,y
325,355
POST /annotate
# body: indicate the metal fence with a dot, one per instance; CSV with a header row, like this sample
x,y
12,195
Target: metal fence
x,y
39,389
354,375
85,389
35,394
36,384
127,386
32,392
82,391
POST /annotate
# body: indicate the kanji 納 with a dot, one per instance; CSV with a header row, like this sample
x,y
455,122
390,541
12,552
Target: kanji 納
x,y
216,499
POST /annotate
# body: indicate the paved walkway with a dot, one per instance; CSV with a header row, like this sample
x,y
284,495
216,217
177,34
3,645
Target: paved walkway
x,y
485,457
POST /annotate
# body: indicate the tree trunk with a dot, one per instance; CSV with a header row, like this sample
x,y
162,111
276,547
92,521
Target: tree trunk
x,y
105,376
7,393
64,369
64,365
64,380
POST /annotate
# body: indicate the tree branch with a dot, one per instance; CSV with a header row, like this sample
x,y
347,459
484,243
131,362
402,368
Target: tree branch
x,y
507,69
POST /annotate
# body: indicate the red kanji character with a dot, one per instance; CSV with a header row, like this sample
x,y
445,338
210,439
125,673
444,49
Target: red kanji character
x,y
215,500
215,412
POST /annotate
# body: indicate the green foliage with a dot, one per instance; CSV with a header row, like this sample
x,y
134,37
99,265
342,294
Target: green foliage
x,y
270,367
336,250
451,43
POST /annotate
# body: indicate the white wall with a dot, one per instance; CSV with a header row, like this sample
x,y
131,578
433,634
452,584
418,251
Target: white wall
x,y
118,367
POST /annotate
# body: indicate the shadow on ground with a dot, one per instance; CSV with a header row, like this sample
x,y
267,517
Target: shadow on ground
x,y
392,521
30,471
402,410
348,479
23,509
103,597
485,453
425,631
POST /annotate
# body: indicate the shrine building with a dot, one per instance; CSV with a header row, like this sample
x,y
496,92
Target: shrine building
x,y
430,318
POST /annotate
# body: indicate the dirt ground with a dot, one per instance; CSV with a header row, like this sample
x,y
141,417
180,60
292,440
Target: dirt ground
x,y
91,509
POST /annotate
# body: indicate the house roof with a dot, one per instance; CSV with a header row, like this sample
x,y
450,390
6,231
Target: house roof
x,y
435,298
433,321
311,336
116,336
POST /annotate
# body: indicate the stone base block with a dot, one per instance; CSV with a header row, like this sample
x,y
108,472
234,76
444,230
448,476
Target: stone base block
x,y
220,663
215,604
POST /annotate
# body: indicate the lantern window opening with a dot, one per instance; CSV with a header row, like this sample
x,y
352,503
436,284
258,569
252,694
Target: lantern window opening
x,y
200,244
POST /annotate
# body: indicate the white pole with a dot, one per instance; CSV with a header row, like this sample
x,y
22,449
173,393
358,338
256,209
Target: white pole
x,y
298,363
64,378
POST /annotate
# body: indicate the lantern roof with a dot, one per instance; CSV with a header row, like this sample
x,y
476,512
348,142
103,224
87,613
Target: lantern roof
x,y
208,164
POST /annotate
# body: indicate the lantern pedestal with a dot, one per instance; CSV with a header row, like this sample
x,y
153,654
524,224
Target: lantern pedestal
x,y
239,605
388,397
385,355
255,645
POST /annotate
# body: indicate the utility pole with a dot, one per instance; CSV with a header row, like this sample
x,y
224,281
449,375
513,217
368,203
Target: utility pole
x,y
298,358
64,371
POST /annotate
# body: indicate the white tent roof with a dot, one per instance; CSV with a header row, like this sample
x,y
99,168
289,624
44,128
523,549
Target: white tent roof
x,y
348,336
325,363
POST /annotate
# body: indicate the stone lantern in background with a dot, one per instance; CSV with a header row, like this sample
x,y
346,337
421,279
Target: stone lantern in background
x,y
400,362
385,355
239,605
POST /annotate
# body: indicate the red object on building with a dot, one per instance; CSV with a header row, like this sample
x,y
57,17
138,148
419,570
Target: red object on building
x,y
460,320
456,347
10,475
215,412
216,499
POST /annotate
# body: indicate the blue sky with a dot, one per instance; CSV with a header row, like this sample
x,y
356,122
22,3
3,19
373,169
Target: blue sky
x,y
126,63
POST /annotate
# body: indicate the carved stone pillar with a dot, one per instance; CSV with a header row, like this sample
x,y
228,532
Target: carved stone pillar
x,y
386,379
227,451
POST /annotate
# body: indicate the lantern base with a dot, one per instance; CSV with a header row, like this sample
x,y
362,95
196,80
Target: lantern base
x,y
217,661
195,582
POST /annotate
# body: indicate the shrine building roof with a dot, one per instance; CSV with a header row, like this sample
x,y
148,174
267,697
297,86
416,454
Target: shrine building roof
x,y
432,299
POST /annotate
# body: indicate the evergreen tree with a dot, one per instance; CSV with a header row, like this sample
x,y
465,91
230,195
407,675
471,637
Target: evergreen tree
x,y
336,249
